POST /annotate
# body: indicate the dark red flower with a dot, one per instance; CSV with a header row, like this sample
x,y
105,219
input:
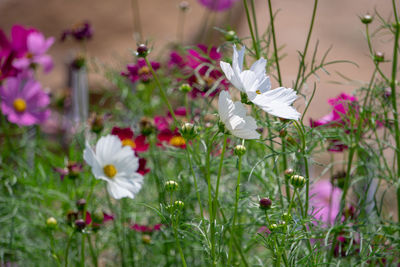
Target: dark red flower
x,y
127,138
80,32
172,138
140,71
142,166
148,229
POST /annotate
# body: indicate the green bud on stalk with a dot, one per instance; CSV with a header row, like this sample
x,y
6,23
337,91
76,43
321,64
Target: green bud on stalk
x,y
297,181
188,131
171,186
239,150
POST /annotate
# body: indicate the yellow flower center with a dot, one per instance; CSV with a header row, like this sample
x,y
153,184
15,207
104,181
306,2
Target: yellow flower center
x,y
19,105
177,141
129,142
209,80
29,55
258,92
144,70
110,170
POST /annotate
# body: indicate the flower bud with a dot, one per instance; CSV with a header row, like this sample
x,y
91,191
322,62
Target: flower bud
x,y
96,123
366,19
230,36
146,239
98,217
291,140
265,203
184,5
379,57
142,51
273,226
185,88
179,204
74,169
297,181
80,204
80,224
287,217
239,150
171,186
71,216
288,173
188,131
51,223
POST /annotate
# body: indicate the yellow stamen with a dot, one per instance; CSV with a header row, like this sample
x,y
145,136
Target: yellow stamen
x,y
209,80
19,105
144,70
177,141
110,170
29,55
258,92
129,142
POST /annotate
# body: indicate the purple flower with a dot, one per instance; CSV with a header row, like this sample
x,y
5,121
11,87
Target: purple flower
x,y
80,32
140,71
18,44
325,201
23,101
217,5
37,46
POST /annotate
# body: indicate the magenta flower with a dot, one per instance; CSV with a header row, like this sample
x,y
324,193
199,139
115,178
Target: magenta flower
x,y
148,229
23,101
140,71
18,44
217,5
37,46
325,202
80,32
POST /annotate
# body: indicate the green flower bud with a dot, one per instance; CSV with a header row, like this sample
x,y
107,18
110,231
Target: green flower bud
x,y
297,181
239,150
273,227
287,217
288,173
179,204
146,239
366,19
185,88
51,223
379,57
171,186
188,131
230,36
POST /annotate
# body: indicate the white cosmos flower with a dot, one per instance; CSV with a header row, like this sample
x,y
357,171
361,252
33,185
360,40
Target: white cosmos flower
x,y
257,85
233,115
116,164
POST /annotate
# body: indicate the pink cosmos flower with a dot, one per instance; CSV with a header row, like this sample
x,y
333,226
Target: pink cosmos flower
x,y
217,5
23,101
140,71
18,44
148,229
37,46
80,32
325,201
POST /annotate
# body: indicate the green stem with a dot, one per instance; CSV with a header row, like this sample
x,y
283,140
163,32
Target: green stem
x,y
255,45
92,252
162,91
67,249
303,55
394,102
178,244
188,152
271,16
235,209
83,249
253,13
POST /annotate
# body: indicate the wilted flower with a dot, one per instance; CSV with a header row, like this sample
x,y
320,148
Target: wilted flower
x,y
256,84
80,32
233,116
117,165
140,71
325,201
217,5
23,101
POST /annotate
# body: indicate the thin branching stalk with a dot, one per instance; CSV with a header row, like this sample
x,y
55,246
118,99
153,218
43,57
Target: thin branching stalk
x,y
253,38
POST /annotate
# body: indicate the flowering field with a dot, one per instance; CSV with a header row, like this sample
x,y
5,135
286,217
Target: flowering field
x,y
200,157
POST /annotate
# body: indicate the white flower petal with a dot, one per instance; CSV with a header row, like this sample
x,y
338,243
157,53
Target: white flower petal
x,y
237,58
107,147
122,186
258,67
90,157
225,106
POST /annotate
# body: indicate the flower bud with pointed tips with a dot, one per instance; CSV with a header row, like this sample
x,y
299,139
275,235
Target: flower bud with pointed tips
x,y
179,204
273,227
265,203
379,57
142,51
366,19
188,131
185,88
51,223
171,186
239,150
297,181
80,204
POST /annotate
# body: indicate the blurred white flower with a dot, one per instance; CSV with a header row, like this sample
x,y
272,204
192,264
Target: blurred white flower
x,y
257,85
233,115
116,164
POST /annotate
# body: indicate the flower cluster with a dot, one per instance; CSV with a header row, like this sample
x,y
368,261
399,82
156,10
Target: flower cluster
x,y
23,100
80,32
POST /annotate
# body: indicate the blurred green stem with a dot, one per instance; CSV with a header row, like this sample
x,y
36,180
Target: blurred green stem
x,y
255,45
271,17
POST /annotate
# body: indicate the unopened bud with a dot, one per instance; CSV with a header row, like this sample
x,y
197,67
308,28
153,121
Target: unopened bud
x,y
288,173
146,239
80,224
51,223
142,50
171,186
146,126
282,133
273,226
185,88
265,203
287,217
80,204
179,204
188,131
239,150
379,57
297,181
230,36
366,19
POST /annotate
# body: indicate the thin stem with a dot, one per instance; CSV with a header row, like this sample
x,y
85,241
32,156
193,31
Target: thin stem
x,y
137,27
178,244
235,209
253,13
255,45
303,55
271,16
188,151
67,249
163,94
92,252
82,249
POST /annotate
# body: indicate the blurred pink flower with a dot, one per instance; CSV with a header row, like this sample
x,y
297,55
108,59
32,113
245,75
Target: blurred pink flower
x,y
217,5
146,228
18,45
325,201
23,101
37,46
140,71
